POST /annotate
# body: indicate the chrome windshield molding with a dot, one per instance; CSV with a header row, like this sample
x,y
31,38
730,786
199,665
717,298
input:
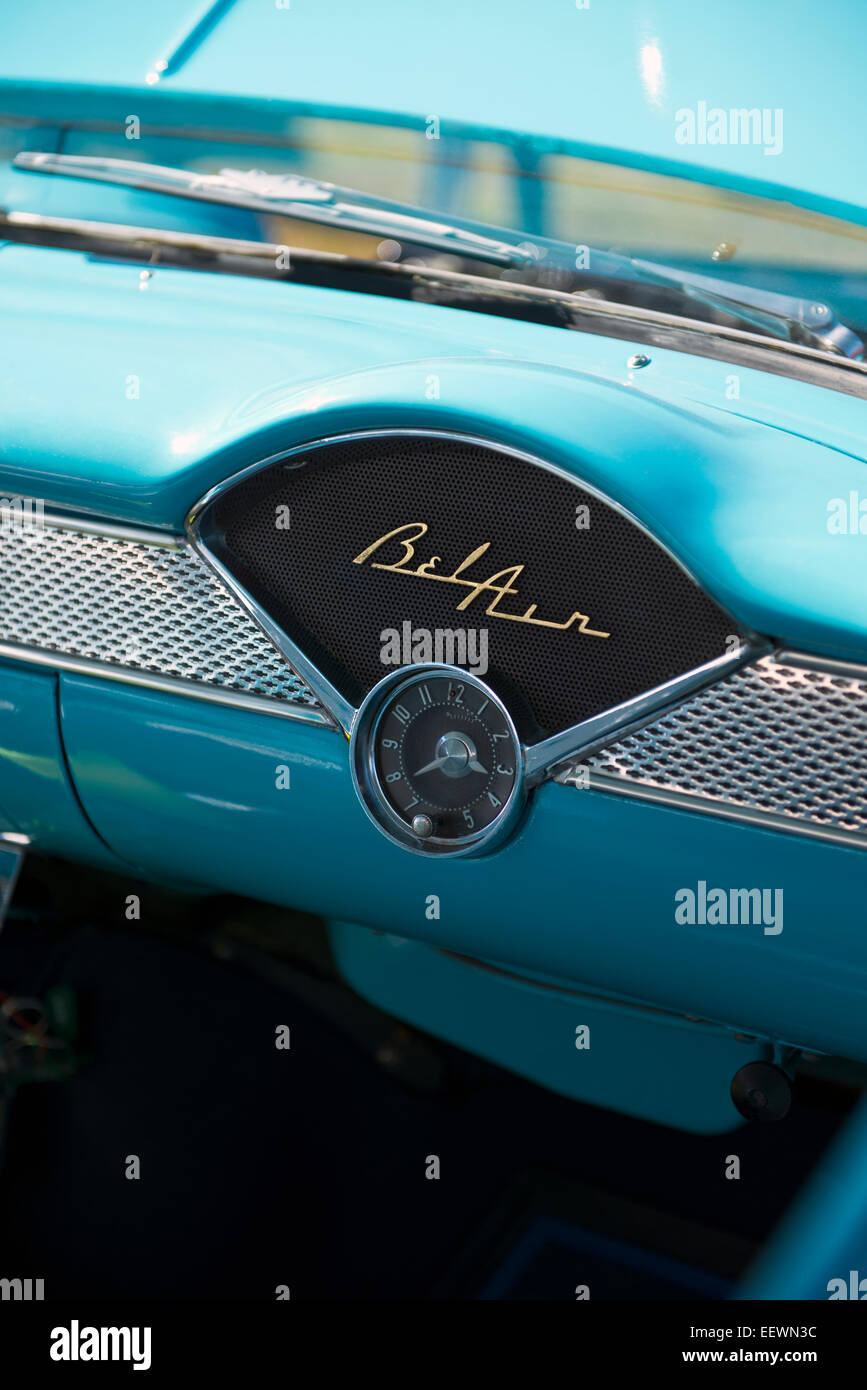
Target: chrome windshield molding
x,y
170,685
539,757
42,227
12,837
586,738
741,815
579,311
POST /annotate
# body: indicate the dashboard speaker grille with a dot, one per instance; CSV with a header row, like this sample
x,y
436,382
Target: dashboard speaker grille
x,y
292,533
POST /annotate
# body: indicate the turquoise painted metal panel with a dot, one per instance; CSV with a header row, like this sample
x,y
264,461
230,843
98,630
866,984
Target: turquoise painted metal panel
x,y
34,784
598,79
820,1247
586,889
738,489
626,1060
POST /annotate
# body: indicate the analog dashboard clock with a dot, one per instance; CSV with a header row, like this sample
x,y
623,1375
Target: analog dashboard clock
x,y
437,762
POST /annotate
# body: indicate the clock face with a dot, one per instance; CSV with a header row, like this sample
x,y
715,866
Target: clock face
x,y
436,760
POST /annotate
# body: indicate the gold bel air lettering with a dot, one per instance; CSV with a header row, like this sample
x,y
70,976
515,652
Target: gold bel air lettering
x,y
499,584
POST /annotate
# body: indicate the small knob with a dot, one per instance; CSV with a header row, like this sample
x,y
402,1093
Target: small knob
x,y
762,1091
422,826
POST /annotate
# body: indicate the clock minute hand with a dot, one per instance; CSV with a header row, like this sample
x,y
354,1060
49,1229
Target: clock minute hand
x,y
429,767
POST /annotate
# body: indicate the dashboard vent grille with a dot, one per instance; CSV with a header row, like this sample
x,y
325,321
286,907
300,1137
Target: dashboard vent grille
x,y
139,607
775,742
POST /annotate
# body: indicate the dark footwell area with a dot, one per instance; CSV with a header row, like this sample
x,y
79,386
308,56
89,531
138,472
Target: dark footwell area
x,y
305,1167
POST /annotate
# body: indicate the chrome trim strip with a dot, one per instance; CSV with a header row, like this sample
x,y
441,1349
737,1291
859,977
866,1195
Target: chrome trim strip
x,y
340,709
98,526
170,685
685,801
541,756
124,233
850,670
93,526
633,714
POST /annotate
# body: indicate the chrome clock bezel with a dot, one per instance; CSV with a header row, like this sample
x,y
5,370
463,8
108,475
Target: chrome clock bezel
x,y
368,787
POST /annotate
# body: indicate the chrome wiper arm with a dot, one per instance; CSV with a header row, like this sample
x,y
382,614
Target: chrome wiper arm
x,y
781,316
801,320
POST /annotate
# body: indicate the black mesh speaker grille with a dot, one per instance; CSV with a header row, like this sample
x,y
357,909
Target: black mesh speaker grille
x,y
344,496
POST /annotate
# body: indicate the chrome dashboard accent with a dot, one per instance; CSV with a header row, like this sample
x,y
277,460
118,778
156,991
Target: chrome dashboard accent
x,y
780,743
137,606
632,714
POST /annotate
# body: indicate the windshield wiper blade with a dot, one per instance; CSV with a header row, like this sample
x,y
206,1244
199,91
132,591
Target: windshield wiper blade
x,y
284,195
801,321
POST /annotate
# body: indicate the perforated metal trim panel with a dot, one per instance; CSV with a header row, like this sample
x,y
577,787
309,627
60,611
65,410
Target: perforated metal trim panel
x,y
774,742
137,607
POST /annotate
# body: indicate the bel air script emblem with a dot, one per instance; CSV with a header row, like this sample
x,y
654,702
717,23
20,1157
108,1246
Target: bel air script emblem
x,y
499,584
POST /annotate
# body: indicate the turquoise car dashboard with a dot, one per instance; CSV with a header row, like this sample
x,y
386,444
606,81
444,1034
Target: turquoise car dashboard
x,y
200,751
